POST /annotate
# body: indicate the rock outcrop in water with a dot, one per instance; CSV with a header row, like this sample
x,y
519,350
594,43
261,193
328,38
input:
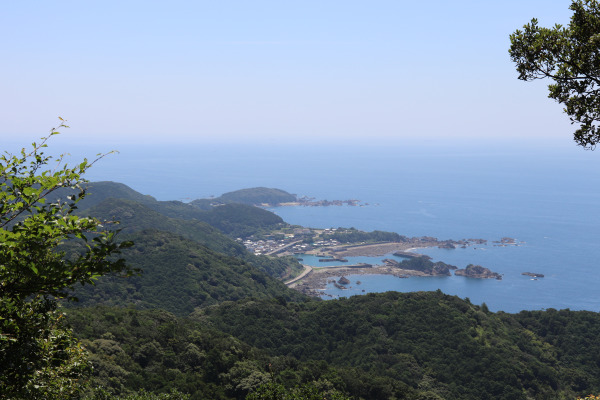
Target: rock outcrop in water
x,y
532,274
477,271
343,281
423,265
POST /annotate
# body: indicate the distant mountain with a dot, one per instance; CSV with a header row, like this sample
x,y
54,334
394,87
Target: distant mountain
x,y
253,196
100,191
235,220
179,275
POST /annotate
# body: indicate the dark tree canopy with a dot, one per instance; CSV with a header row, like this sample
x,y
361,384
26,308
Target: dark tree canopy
x,y
570,57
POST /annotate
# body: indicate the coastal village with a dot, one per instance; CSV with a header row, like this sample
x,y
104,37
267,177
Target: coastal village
x,y
297,240
309,240
333,245
300,240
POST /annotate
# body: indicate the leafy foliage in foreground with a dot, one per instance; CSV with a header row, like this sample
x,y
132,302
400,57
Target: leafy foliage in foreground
x,y
39,358
180,275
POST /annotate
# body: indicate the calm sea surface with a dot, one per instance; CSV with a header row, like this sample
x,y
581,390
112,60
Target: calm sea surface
x,y
545,196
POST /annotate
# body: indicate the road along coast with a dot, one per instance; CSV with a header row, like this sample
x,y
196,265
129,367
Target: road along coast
x,y
315,280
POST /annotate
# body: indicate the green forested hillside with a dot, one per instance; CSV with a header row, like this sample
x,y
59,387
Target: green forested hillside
x,y
575,337
352,235
234,220
240,220
252,196
156,351
179,274
100,191
378,346
258,195
134,217
429,341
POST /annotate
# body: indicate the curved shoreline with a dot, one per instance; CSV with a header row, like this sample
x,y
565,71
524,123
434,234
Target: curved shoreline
x,y
371,250
315,280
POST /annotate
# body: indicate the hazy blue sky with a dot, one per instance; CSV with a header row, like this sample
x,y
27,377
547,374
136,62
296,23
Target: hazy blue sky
x,y
217,71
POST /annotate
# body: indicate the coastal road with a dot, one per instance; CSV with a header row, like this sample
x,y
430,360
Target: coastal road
x,y
307,270
279,250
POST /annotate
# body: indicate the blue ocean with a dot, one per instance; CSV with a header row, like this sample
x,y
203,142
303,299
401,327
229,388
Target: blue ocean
x,y
546,196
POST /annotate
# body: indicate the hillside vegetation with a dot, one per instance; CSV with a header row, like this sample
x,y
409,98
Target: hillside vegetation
x,y
235,220
378,346
424,340
352,235
179,275
208,318
252,196
135,217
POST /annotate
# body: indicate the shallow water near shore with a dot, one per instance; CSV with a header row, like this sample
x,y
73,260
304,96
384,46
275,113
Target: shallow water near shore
x,y
549,204
545,196
314,261
517,288
570,265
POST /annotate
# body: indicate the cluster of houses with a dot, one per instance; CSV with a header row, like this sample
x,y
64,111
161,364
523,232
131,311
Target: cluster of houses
x,y
269,246
292,242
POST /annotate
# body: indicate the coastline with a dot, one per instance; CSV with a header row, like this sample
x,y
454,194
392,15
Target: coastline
x,y
370,250
313,280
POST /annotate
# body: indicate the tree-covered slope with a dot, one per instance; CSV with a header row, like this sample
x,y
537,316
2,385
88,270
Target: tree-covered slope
x,y
384,346
251,196
575,337
429,341
258,195
135,216
352,235
235,220
156,351
180,274
240,220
